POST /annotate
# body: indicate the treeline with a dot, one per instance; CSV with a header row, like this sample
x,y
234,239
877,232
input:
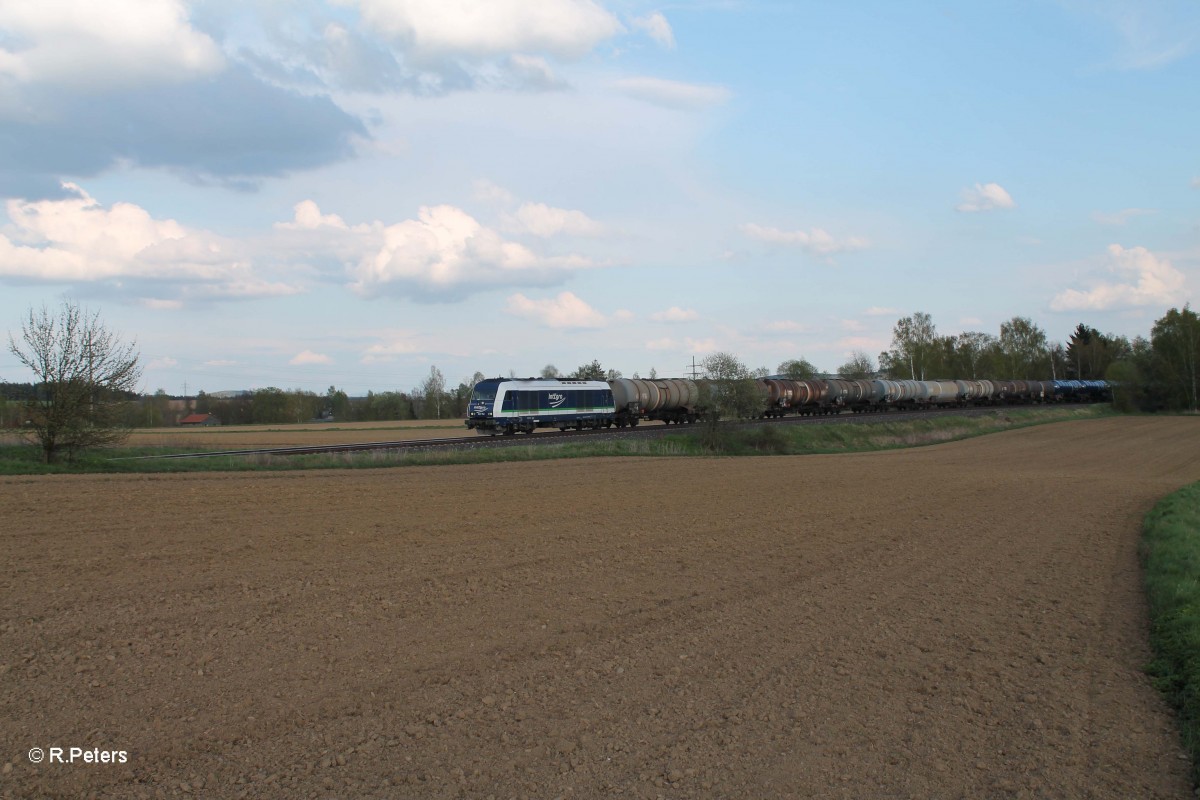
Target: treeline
x,y
1157,373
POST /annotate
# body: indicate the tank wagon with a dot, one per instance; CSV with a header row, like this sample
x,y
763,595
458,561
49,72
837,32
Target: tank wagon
x,y
670,400
501,405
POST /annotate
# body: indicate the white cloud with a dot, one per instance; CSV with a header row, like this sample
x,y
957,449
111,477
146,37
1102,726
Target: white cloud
x,y
96,44
487,192
564,311
880,311
787,326
852,325
165,362
78,240
309,357
434,28
1196,182
1144,279
657,28
219,362
400,345
545,221
308,217
442,254
675,314
672,94
816,241
688,345
985,197
1119,218
159,304
970,321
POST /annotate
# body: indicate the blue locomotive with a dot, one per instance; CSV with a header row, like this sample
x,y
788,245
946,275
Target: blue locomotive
x,y
506,405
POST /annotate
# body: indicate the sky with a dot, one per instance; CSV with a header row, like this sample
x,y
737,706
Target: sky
x,y
349,193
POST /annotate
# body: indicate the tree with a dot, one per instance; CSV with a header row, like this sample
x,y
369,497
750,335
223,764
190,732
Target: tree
x,y
84,374
432,389
337,403
733,392
1023,348
913,345
797,369
857,367
550,371
588,372
269,405
1175,341
972,349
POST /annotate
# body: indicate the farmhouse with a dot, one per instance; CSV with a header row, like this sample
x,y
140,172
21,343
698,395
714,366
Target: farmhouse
x,y
205,420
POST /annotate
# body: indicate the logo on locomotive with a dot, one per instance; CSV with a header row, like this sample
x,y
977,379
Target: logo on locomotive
x,y
556,399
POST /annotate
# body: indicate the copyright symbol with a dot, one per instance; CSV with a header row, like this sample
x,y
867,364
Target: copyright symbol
x,y
36,755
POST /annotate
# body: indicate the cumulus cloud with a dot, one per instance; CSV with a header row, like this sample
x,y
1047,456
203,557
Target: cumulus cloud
x,y
78,240
546,221
397,345
164,362
564,311
657,28
985,197
446,253
817,241
672,94
787,326
443,254
880,311
1122,217
1143,279
83,43
309,357
675,314
433,28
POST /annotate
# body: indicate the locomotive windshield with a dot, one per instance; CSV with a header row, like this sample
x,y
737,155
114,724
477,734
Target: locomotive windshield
x,y
485,392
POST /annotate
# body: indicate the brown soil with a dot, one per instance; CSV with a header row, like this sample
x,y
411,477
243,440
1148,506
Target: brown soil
x,y
964,620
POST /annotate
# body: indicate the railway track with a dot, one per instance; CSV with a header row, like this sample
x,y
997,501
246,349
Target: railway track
x,y
545,437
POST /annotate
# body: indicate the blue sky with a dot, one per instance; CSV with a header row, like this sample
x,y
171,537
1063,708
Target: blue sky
x,y
350,192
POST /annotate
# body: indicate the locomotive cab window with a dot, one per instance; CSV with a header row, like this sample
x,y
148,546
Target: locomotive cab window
x,y
485,392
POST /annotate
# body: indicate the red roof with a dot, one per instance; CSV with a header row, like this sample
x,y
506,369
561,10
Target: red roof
x,y
195,419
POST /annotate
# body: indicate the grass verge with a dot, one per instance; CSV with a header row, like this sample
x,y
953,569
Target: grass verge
x,y
751,439
1170,552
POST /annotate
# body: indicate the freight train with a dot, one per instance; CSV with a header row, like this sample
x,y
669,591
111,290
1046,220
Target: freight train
x,y
512,405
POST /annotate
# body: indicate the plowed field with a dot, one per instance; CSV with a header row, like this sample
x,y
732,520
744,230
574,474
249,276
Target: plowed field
x,y
963,620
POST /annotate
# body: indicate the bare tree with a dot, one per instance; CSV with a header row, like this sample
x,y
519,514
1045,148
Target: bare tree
x,y
432,390
84,374
550,371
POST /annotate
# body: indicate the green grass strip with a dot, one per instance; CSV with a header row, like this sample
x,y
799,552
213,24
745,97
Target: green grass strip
x,y
1170,551
765,439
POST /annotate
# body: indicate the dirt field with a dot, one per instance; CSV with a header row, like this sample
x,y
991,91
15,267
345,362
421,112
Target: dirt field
x,y
964,620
